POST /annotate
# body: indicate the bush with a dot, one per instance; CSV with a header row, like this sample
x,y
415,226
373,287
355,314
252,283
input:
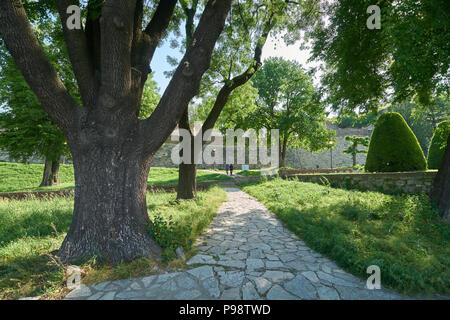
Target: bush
x,y
394,147
438,144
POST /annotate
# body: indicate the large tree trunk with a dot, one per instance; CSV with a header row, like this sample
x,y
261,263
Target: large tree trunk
x,y
283,153
110,217
50,176
187,181
187,172
55,171
441,187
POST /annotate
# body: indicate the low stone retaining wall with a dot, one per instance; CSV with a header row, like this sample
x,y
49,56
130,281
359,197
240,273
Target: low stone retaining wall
x,y
286,172
387,182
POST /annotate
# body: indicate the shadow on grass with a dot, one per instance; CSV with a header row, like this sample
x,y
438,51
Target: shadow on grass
x,y
404,234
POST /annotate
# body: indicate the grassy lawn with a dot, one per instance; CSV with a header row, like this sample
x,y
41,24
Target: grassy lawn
x,y
250,173
30,230
27,177
404,235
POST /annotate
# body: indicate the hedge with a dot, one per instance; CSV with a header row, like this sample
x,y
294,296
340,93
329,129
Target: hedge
x,y
394,147
438,144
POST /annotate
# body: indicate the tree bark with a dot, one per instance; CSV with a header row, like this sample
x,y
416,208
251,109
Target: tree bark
x,y
187,172
441,186
354,159
283,153
50,176
110,212
187,181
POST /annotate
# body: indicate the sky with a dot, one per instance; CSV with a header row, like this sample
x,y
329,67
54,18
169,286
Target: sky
x,y
273,48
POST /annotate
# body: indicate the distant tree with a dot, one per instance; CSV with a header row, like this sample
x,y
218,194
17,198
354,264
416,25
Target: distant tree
x,y
353,148
288,101
27,130
353,120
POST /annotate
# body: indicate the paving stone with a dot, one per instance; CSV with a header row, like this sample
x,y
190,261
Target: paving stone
x,y
352,293
202,273
170,285
327,293
296,265
101,286
184,282
135,286
232,264
231,278
231,294
249,292
277,276
272,257
256,254
254,264
334,280
278,293
147,281
82,291
311,276
211,285
165,277
108,295
262,284
201,258
130,294
188,295
274,265
301,287
96,296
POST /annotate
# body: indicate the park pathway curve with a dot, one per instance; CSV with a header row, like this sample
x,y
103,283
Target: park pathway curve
x,y
246,253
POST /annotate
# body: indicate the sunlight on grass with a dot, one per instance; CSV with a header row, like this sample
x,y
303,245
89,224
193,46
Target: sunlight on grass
x,y
404,235
16,177
31,230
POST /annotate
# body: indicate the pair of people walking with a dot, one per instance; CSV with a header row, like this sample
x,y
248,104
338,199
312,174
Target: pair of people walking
x,y
229,168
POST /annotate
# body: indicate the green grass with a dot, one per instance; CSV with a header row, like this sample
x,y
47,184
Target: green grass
x,y
250,173
30,230
404,235
27,177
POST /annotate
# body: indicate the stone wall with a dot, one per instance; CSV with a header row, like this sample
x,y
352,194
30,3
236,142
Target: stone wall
x,y
303,159
387,182
297,158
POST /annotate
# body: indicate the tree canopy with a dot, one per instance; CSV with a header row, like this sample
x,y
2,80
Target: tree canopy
x,y
407,56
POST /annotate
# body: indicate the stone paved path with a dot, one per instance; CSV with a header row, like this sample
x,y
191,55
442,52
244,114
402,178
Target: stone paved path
x,y
246,253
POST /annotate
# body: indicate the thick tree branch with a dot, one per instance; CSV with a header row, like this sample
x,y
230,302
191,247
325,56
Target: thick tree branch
x,y
117,25
79,55
156,28
185,82
28,55
239,80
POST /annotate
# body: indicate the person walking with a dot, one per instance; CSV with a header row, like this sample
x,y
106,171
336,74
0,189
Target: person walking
x,y
231,169
227,167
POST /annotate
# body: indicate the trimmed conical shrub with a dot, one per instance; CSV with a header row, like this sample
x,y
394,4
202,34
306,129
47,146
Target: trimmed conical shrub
x,y
438,144
394,147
